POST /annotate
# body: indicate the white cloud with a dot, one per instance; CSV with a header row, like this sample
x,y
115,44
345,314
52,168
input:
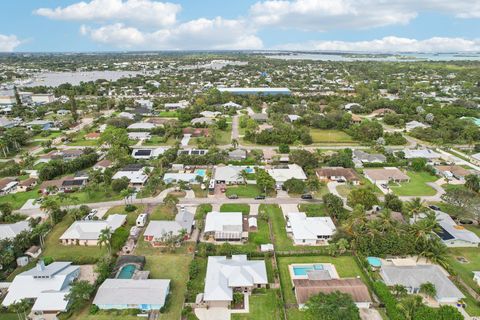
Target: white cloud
x,y
217,33
324,15
390,44
8,43
145,12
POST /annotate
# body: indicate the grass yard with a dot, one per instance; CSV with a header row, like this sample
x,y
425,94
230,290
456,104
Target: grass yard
x,y
8,316
224,137
76,254
197,283
330,136
262,235
83,143
199,193
160,141
90,196
202,211
104,315
162,212
131,216
465,270
417,185
174,267
17,200
235,207
244,191
168,114
265,305
345,265
313,210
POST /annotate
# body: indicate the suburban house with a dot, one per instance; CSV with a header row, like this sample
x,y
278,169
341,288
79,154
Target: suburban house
x,y
210,114
172,177
126,115
321,282
225,226
86,232
92,136
47,285
11,230
453,172
361,157
139,136
202,121
413,276
227,275
237,155
156,229
259,117
8,185
283,173
292,117
177,105
231,104
230,174
386,175
196,132
454,235
192,152
309,230
409,126
142,294
42,124
141,126
26,184
135,173
338,174
148,153
102,165
427,154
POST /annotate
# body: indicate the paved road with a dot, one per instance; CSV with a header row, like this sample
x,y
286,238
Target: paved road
x,y
235,125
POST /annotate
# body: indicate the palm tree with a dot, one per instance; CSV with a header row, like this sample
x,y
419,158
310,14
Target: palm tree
x,y
244,175
399,290
50,205
235,143
434,251
356,220
422,230
105,237
428,289
409,306
415,207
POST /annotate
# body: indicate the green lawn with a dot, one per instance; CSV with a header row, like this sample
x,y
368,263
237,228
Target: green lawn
x,y
313,210
417,185
77,254
202,211
244,191
262,235
131,216
160,141
8,316
168,114
235,207
345,265
465,270
17,200
265,305
330,136
198,283
224,137
162,212
173,267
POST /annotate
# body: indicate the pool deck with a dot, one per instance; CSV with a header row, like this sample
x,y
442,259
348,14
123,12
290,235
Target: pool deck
x,y
326,266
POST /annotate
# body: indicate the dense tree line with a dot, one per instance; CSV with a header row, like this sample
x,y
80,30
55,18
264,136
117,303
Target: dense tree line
x,y
57,168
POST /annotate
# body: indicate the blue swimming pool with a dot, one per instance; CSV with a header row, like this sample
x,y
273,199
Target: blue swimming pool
x,y
127,271
201,172
303,269
374,262
249,170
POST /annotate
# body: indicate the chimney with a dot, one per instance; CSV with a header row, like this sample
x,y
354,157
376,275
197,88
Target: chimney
x,y
40,265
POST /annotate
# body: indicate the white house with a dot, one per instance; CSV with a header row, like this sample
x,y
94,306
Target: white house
x,y
126,115
284,173
158,228
11,230
47,285
142,294
409,126
171,177
134,173
177,105
231,104
453,235
139,136
413,276
225,226
229,174
427,154
225,275
142,126
86,232
309,230
148,153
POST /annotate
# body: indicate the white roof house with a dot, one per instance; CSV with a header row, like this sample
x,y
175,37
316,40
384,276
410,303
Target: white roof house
x,y
412,277
90,229
135,177
409,126
139,135
210,114
282,174
170,177
144,294
228,174
146,126
156,228
309,230
421,153
148,153
47,285
231,104
126,115
223,275
453,235
224,225
10,231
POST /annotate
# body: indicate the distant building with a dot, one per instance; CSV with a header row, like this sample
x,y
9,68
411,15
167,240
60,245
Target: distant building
x,y
87,232
256,91
177,105
11,230
409,126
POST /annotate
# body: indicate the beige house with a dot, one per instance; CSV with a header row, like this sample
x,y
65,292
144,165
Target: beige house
x,y
87,232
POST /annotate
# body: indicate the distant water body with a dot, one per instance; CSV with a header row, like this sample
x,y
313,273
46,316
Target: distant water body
x,y
54,79
409,57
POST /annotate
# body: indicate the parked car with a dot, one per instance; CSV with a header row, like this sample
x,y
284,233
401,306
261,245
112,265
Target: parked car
x,y
232,196
307,197
260,197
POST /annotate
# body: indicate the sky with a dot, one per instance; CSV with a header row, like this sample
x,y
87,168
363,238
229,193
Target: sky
x,y
336,25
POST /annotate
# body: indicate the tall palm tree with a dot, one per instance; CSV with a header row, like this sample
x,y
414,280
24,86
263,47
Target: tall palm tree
x,y
409,306
356,221
434,251
422,230
105,238
415,207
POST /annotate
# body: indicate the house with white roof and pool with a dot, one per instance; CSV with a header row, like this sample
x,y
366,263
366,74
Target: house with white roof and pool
x,y
309,230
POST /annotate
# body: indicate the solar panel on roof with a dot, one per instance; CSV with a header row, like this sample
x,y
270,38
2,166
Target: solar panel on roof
x,y
444,234
143,152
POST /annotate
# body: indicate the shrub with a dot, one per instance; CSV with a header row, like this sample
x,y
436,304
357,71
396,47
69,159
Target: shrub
x,y
130,208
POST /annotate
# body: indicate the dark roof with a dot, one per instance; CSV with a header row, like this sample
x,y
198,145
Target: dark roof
x,y
132,167
143,152
70,183
444,234
348,173
305,288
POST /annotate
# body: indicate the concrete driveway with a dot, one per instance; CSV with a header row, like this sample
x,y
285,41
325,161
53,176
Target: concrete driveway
x,y
332,188
212,313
